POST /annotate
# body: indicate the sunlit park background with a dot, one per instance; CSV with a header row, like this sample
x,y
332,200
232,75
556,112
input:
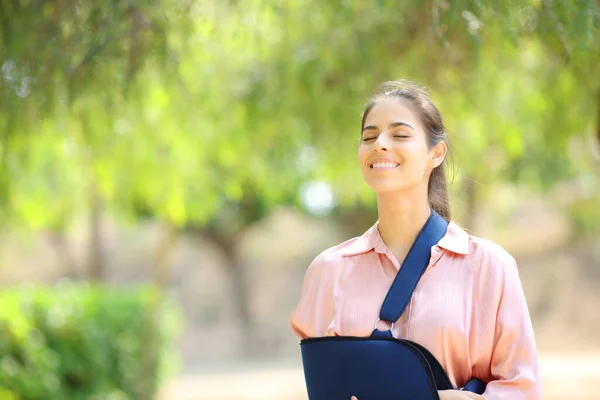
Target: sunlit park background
x,y
170,168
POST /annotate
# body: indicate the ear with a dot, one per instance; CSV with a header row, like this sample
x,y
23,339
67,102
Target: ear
x,y
438,153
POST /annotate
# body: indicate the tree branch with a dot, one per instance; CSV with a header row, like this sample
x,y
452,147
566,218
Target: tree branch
x,y
597,148
559,30
87,59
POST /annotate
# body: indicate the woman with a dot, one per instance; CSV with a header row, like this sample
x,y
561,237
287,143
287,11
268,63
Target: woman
x,y
468,309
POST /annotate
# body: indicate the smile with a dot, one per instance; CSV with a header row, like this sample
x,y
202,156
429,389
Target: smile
x,y
384,165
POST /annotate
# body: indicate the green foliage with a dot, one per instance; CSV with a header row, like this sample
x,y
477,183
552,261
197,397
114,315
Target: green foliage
x,y
213,112
84,342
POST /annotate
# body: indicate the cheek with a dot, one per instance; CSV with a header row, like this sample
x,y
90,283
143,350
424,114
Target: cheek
x,y
362,155
417,155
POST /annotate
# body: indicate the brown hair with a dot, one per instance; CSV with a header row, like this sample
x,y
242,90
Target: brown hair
x,y
418,99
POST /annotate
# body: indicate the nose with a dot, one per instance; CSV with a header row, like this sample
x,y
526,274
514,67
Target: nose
x,y
381,143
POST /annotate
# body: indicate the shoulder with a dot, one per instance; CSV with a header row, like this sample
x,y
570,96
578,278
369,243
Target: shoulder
x,y
333,255
335,259
490,261
485,250
327,267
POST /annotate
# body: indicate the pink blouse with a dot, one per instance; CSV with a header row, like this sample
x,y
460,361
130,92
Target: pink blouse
x,y
468,309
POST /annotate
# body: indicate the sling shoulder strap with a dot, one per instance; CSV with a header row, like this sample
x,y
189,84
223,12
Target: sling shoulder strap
x,y
412,268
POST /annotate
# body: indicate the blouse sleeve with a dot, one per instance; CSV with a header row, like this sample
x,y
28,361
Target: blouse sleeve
x,y
503,347
314,312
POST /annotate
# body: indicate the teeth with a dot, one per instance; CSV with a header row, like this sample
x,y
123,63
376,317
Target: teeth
x,y
384,165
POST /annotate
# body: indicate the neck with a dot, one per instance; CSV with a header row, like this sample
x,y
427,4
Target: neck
x,y
401,218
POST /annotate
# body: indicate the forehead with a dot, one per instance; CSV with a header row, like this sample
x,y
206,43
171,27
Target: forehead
x,y
388,110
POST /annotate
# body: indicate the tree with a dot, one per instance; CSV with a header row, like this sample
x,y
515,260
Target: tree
x,y
206,115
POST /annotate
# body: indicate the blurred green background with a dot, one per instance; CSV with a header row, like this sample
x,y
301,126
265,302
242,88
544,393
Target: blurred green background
x,y
169,168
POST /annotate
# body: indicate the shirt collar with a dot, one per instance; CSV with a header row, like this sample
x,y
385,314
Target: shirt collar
x,y
455,240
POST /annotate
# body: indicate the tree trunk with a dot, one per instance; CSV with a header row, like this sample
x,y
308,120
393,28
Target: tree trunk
x,y
239,292
240,295
470,204
60,244
356,220
96,259
598,120
162,267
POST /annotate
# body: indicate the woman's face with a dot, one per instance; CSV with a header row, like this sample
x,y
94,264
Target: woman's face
x,y
393,154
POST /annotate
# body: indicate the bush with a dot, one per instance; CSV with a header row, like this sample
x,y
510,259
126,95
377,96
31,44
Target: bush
x,y
84,342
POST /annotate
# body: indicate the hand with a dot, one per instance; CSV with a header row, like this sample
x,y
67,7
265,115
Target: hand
x,y
457,395
451,395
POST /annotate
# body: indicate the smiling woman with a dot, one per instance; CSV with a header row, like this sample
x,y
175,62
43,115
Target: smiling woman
x,y
461,303
394,140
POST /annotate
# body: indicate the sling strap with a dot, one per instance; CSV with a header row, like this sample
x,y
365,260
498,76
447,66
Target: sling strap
x,y
412,268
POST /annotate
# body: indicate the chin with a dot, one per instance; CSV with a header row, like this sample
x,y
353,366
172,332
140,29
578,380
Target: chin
x,y
385,187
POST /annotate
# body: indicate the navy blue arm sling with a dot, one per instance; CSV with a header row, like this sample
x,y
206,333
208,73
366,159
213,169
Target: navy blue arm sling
x,y
381,367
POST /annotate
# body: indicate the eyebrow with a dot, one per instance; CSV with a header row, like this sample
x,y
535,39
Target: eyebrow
x,y
392,125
